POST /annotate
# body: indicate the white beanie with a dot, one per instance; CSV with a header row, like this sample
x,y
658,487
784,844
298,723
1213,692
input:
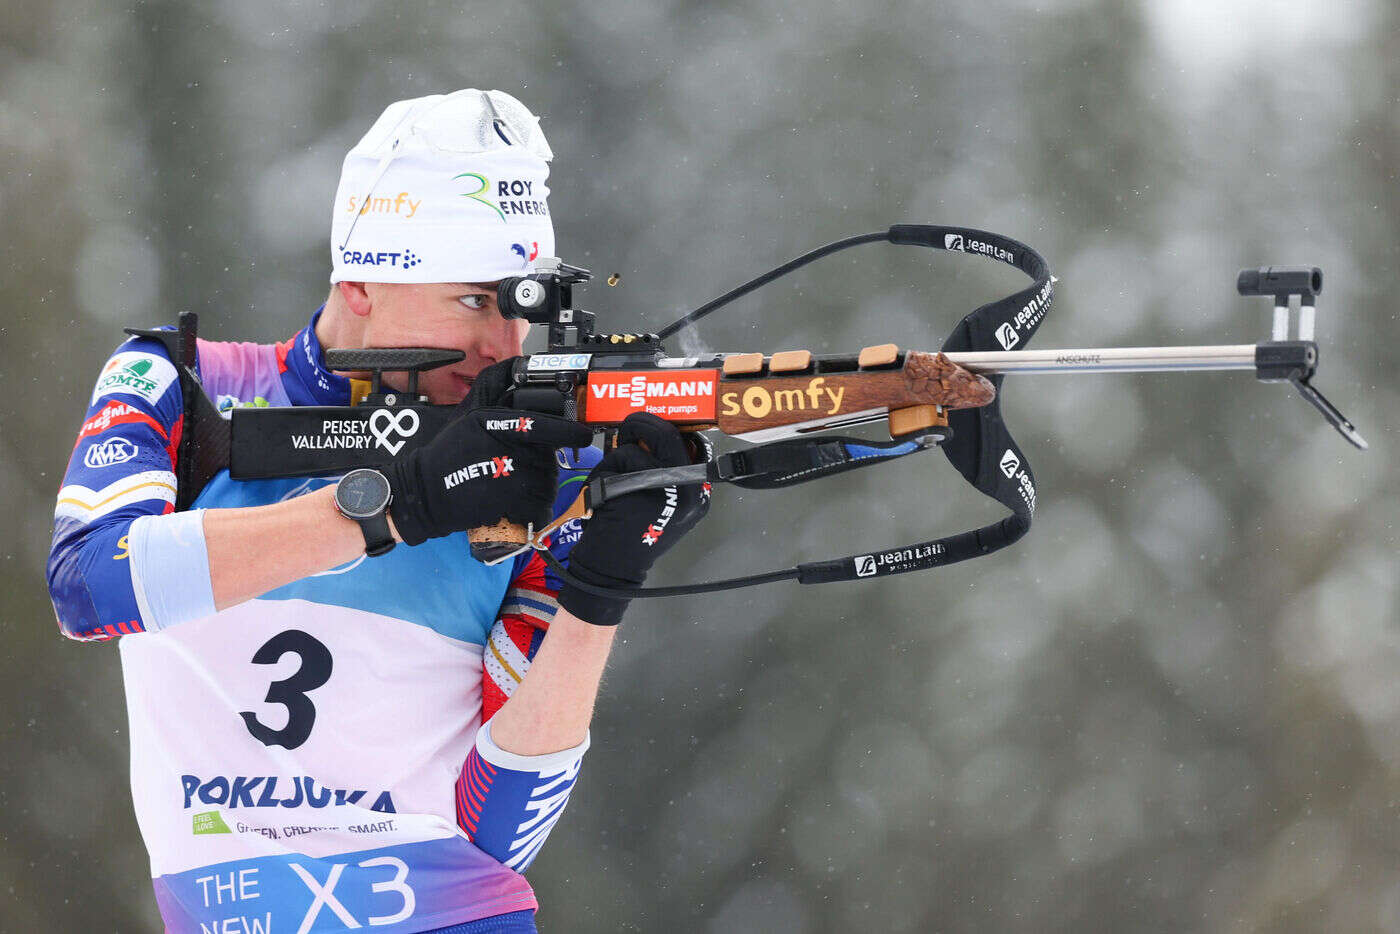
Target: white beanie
x,y
446,188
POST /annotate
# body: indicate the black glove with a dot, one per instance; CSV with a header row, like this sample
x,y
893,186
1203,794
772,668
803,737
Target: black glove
x,y
488,464
626,535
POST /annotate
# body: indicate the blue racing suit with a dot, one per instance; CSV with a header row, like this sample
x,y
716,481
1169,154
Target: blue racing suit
x,y
318,758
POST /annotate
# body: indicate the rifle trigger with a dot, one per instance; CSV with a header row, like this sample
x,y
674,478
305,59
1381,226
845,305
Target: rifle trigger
x,y
580,508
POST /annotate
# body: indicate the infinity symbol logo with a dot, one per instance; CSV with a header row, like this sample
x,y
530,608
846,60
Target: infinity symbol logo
x,y
403,423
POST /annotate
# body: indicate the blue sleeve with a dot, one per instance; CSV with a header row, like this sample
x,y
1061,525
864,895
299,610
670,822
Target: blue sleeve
x,y
122,468
508,804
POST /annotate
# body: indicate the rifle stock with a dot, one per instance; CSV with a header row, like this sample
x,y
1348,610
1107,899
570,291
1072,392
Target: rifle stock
x,y
757,398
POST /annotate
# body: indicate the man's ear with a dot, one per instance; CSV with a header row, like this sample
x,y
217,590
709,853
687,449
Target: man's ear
x,y
356,297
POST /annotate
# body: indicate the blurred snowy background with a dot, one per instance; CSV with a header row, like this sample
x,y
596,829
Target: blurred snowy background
x,y
1174,706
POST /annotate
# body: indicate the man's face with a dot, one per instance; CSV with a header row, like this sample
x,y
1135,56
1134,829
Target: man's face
x,y
456,316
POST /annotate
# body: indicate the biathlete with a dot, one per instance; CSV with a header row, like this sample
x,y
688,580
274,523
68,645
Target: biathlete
x,y
338,717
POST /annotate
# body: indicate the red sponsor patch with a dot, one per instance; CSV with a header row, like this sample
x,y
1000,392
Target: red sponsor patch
x,y
117,413
682,396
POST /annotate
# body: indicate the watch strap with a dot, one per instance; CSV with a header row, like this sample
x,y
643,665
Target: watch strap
x,y
378,538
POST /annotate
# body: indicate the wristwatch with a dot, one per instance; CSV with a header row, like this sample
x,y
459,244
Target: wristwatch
x,y
363,495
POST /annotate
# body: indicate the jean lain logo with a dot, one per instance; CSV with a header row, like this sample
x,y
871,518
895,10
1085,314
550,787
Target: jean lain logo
x,y
1007,336
865,565
952,241
1010,463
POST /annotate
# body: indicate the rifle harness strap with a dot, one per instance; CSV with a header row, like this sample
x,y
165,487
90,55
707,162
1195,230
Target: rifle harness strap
x,y
980,445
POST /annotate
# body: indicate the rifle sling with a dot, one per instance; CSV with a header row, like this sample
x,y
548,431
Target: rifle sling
x,y
980,446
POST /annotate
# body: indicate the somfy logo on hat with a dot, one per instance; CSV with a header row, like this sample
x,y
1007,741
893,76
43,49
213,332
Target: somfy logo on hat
x,y
402,205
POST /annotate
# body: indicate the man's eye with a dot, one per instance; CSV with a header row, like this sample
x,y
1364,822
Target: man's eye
x,y
474,302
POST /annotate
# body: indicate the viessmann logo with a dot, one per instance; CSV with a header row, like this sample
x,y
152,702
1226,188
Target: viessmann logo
x,y
614,396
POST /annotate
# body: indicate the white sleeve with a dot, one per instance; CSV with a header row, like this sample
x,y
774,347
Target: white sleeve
x,y
170,569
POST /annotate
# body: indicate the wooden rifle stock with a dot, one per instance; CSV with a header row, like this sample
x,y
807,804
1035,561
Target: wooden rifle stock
x,y
763,398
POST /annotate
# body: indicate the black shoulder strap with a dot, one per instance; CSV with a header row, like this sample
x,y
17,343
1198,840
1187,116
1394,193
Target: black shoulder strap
x,y
204,434
981,447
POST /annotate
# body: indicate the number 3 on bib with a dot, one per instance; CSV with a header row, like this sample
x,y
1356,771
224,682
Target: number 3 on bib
x,y
314,671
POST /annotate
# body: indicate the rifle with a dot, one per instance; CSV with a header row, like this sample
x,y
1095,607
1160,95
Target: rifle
x,y
781,404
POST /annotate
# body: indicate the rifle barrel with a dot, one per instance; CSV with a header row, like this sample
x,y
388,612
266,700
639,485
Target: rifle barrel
x,y
1110,359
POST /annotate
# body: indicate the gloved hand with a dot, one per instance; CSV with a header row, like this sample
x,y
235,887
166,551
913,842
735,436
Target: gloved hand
x,y
626,535
489,463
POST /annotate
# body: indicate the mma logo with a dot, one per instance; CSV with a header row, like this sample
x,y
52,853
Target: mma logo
x,y
109,452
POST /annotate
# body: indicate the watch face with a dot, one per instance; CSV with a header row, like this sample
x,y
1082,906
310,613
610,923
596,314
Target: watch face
x,y
362,493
